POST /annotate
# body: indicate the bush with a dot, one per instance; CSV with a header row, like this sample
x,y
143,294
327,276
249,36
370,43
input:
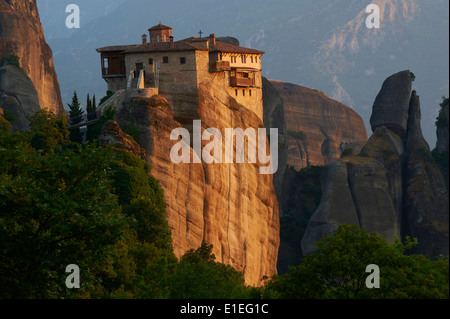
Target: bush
x,y
364,154
337,270
347,152
10,59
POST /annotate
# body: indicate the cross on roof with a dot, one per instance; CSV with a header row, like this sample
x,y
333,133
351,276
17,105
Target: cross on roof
x,y
200,32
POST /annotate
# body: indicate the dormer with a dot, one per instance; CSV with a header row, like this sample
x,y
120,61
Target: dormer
x,y
160,33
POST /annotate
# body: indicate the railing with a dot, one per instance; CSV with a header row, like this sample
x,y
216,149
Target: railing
x,y
236,81
114,71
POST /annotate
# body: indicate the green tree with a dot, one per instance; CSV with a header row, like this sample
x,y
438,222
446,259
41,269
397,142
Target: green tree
x,y
75,118
75,110
198,276
337,270
88,104
47,130
55,209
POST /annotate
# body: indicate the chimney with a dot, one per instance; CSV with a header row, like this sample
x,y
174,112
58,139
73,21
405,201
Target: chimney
x,y
172,45
212,39
144,39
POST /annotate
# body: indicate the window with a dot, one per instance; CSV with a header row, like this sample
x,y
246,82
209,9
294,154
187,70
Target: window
x,y
236,92
243,92
251,59
256,59
221,57
182,60
250,92
165,59
105,63
150,61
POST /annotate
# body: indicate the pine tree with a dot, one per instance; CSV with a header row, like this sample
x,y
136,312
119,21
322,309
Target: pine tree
x,y
91,108
88,105
76,112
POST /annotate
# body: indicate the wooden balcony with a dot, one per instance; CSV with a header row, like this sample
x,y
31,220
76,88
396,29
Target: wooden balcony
x,y
217,66
114,72
237,81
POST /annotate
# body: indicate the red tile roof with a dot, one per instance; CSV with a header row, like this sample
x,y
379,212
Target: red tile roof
x,y
229,48
165,46
224,47
188,44
118,48
159,27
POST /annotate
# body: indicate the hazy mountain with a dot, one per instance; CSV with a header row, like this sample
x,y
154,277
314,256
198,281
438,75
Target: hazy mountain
x,y
321,44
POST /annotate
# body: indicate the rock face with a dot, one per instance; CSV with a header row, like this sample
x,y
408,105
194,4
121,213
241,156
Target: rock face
x,y
426,195
18,96
113,135
442,144
441,152
318,128
393,186
391,105
274,117
231,206
21,34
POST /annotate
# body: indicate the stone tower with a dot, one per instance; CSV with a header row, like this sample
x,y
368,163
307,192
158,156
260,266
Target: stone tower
x,y
160,33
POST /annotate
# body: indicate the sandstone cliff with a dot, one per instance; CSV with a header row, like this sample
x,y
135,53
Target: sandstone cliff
x,y
21,34
231,206
319,128
393,186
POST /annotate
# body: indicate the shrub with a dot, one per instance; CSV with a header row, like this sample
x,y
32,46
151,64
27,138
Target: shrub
x,y
10,59
347,152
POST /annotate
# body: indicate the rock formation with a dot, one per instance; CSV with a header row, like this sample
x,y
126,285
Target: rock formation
x,y
441,152
319,128
426,196
231,206
21,34
393,186
18,97
112,134
274,117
